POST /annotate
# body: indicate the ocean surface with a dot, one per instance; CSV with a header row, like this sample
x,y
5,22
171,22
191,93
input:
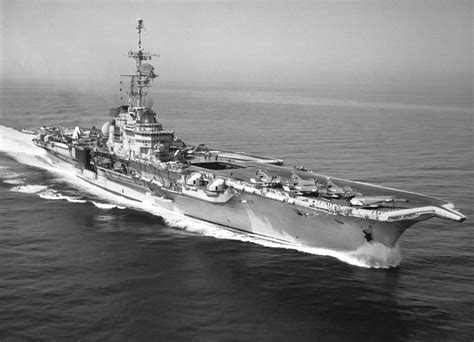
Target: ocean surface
x,y
78,264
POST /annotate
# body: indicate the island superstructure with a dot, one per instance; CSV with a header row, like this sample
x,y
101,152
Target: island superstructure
x,y
134,157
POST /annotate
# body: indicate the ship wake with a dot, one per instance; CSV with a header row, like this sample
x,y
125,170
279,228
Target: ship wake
x,y
19,146
50,194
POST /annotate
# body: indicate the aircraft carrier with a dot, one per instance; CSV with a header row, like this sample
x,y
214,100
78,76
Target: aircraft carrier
x,y
135,157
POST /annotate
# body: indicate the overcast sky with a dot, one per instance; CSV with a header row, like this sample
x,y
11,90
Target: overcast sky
x,y
291,42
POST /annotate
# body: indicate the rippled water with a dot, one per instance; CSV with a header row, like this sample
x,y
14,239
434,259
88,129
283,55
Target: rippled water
x,y
82,265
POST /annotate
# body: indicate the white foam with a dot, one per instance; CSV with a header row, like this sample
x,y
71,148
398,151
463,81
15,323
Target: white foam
x,y
29,189
369,255
14,143
377,255
107,205
9,176
14,181
75,200
54,195
49,194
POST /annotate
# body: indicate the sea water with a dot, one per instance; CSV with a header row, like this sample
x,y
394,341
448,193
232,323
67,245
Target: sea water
x,y
79,263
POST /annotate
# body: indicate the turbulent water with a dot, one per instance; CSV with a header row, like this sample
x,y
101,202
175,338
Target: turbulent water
x,y
78,263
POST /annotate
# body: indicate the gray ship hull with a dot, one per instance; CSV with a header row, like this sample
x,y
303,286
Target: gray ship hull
x,y
279,221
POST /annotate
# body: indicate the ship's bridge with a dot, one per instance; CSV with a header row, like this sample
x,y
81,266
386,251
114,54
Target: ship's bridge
x,y
151,138
148,127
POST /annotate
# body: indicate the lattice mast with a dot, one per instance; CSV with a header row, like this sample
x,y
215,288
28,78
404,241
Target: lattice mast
x,y
145,71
